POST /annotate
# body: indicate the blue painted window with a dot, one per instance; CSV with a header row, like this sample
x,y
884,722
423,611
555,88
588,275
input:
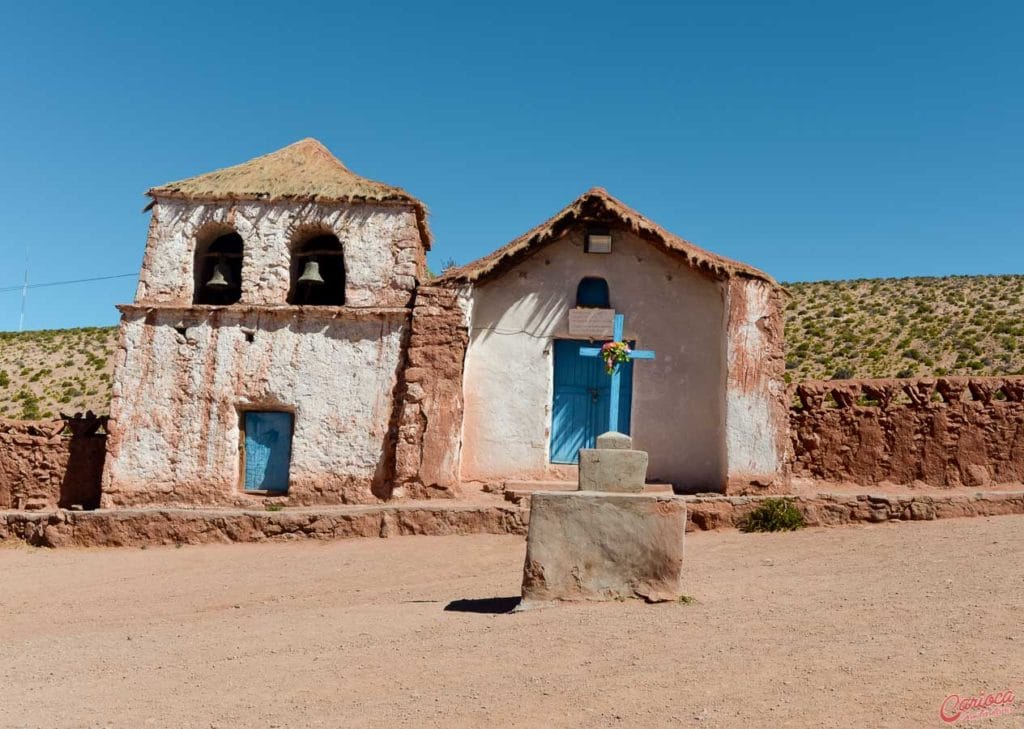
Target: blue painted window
x,y
268,450
593,293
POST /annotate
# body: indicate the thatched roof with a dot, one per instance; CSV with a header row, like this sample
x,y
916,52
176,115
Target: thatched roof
x,y
597,206
305,170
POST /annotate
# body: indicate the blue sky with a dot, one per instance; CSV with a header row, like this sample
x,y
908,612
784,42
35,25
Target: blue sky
x,y
812,139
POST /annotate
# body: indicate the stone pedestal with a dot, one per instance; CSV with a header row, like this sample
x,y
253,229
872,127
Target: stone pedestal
x,y
613,465
586,545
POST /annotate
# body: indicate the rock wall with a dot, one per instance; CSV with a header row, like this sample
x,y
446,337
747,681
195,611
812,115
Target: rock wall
x,y
938,432
51,463
430,423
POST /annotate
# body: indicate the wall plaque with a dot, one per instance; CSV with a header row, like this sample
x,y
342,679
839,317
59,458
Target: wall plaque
x,y
591,323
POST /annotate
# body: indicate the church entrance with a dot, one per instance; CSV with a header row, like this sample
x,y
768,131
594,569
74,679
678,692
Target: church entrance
x,y
582,390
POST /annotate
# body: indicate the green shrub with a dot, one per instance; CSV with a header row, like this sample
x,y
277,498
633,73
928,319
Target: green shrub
x,y
30,409
773,515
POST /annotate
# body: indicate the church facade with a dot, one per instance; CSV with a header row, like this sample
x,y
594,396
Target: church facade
x,y
286,342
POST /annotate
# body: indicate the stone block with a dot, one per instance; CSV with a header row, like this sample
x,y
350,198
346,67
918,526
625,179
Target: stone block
x,y
598,546
615,441
612,470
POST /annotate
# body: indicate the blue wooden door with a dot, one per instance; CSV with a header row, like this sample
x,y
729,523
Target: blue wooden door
x,y
581,397
268,450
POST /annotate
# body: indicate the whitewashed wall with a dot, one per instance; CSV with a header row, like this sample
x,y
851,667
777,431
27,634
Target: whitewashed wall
x,y
175,435
678,411
757,411
174,432
381,245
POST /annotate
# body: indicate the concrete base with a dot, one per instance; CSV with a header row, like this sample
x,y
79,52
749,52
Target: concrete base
x,y
612,470
587,545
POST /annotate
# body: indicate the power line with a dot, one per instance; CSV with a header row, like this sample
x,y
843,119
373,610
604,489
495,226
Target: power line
x,y
19,287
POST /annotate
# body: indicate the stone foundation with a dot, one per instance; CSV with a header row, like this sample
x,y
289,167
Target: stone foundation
x,y
141,527
145,527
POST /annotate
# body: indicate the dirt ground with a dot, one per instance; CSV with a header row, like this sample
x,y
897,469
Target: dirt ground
x,y
846,627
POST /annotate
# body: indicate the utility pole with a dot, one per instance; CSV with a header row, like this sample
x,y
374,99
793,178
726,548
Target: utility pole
x,y
24,295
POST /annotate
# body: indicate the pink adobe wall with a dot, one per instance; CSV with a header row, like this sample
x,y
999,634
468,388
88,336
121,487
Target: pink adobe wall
x,y
940,432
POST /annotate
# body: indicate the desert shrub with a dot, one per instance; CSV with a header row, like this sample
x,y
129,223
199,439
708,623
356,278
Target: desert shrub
x,y
30,409
773,515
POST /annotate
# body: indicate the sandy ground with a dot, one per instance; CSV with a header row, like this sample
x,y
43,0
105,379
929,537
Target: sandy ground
x,y
847,627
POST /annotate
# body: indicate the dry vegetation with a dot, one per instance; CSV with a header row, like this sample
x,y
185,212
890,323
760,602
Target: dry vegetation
x,y
957,325
58,370
834,329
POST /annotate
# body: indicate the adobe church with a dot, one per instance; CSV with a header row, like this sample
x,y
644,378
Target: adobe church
x,y
286,342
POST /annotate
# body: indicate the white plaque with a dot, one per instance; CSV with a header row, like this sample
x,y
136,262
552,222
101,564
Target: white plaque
x,y
592,323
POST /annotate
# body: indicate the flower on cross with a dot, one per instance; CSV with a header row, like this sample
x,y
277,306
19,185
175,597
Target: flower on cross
x,y
614,354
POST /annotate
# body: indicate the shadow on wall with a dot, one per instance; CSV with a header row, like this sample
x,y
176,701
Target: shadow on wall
x,y
52,463
546,315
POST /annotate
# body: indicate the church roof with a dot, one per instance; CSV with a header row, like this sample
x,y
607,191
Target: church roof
x,y
597,206
305,170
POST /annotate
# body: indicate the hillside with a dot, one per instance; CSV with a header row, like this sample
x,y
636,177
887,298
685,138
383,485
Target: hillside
x,y
957,325
57,370
834,329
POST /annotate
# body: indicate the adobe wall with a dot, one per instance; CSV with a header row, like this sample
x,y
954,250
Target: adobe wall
x,y
47,464
941,432
383,252
429,444
185,375
756,397
678,414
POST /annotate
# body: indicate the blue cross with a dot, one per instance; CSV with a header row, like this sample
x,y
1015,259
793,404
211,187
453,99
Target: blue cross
x,y
613,409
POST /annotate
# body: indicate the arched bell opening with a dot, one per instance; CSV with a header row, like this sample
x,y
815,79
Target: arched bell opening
x,y
218,268
318,272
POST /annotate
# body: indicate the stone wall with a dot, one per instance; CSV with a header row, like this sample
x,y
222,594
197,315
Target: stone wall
x,y
47,464
430,424
937,432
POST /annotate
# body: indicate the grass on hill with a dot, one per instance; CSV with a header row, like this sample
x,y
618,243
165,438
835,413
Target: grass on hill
x,y
908,327
962,325
45,373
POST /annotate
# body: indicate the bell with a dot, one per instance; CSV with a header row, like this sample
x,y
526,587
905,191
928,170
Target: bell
x,y
221,278
311,274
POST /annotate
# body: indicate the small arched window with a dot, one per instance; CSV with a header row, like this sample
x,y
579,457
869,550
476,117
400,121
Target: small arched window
x,y
592,293
218,269
318,272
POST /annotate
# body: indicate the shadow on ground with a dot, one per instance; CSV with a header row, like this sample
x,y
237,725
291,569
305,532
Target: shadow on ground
x,y
487,605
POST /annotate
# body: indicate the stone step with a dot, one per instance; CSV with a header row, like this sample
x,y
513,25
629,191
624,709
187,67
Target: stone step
x,y
518,491
527,486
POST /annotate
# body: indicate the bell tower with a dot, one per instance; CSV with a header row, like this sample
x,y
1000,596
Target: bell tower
x,y
261,353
